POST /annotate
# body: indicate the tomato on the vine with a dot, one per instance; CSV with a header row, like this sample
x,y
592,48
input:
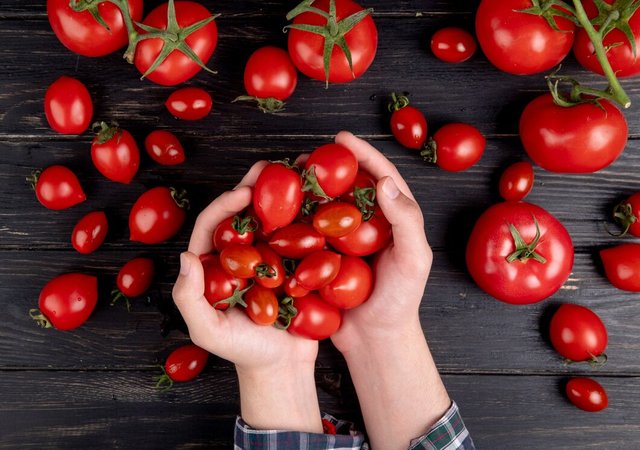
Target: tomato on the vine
x,y
164,148
190,103
240,260
57,187
221,289
90,232
157,215
330,171
622,266
455,147
578,334
183,364
234,230
296,241
516,181
262,305
336,219
453,45
318,269
371,236
68,106
115,153
627,214
587,394
277,196
315,319
408,124
352,286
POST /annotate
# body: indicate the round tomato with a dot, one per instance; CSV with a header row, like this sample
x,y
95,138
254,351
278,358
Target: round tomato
x,y
262,305
622,266
90,232
627,214
115,153
277,196
578,334
587,394
371,236
330,171
67,301
183,364
68,106
135,277
221,289
157,215
296,241
307,49
240,260
362,193
516,181
455,147
453,45
189,103
408,124
234,230
57,188
520,43
352,286
580,139
177,67
315,319
271,272
336,219
519,253
164,148
81,33
317,270
293,289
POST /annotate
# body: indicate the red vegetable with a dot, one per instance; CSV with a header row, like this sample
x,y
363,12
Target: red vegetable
x,y
277,196
627,214
90,232
578,334
115,153
221,289
352,286
164,148
453,45
68,106
189,103
408,124
455,147
587,394
622,266
57,188
318,269
516,181
262,305
330,171
183,364
315,319
157,215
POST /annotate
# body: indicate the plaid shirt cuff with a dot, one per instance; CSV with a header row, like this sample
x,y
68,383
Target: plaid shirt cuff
x,y
448,433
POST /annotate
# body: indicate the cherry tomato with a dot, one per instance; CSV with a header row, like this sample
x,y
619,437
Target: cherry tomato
x,y
177,67
622,266
90,232
509,261
67,301
293,289
516,181
352,286
135,277
241,261
318,269
81,33
185,363
408,124
315,319
520,43
57,188
370,237
579,139
453,45
164,148
587,394
455,147
115,153
277,196
364,180
577,333
219,284
307,49
262,305
330,170
627,214
157,215
68,106
189,103
296,241
274,274
234,230
336,219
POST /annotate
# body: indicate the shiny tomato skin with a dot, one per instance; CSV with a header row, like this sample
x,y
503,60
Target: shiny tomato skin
x,y
519,43
296,241
68,300
82,34
370,237
516,181
270,73
218,283
587,394
336,219
577,333
240,260
307,49
633,204
518,282
118,158
409,127
90,232
68,106
453,45
277,196
190,103
458,146
155,216
226,234
262,305
335,168
352,286
293,289
58,188
315,319
178,67
186,362
276,268
164,148
318,269
622,266
364,180
579,139
135,277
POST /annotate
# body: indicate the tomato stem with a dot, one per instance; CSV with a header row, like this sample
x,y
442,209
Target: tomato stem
x,y
162,380
270,105
398,101
525,251
40,318
116,295
33,178
623,214
286,312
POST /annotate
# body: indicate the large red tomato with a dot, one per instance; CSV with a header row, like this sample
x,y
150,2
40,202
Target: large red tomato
x,y
315,319
277,196
157,215
519,253
622,266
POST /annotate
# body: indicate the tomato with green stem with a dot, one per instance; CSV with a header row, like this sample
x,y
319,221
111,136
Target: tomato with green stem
x,y
68,106
133,280
622,266
90,232
57,187
408,124
277,196
190,103
330,171
271,272
455,147
262,305
158,215
240,260
183,364
164,148
627,215
371,236
453,45
221,289
234,230
114,152
587,394
578,334
315,319
516,181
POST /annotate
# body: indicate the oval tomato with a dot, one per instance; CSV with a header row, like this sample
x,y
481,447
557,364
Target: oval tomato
x,y
519,253
330,170
587,394
317,269
164,148
241,261
579,139
277,196
516,181
293,289
262,305
455,147
185,363
409,127
57,188
315,318
577,333
90,232
157,215
221,289
336,219
233,230
274,274
68,106
115,153
135,277
453,45
370,237
627,214
189,103
622,266
352,286
296,241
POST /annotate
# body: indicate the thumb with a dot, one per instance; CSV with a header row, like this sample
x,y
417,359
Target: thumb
x,y
190,283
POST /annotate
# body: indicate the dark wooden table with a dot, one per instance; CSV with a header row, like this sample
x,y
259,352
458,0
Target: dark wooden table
x,y
92,388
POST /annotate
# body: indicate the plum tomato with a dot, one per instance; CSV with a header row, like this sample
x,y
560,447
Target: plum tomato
x,y
622,266
115,153
157,215
68,106
578,334
408,124
587,394
57,187
90,232
164,148
293,289
183,364
336,219
135,277
453,45
516,181
221,289
271,272
190,103
352,286
240,260
330,171
317,269
371,236
234,230
277,196
296,241
455,147
315,319
262,305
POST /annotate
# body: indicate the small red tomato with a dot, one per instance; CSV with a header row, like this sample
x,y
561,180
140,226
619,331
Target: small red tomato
x,y
578,334
57,188
296,241
315,319
164,148
219,284
453,45
234,230
157,215
189,103
277,196
68,106
293,289
262,305
408,124
330,170
90,232
364,182
274,273
627,214
370,237
587,394
241,261
336,219
318,269
352,286
183,364
115,153
135,277
622,266
455,147
516,181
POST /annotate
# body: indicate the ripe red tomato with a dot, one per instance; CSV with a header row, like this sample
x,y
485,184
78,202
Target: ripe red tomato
x,y
622,266
274,274
509,260
240,260
318,269
362,193
293,289
330,170
177,67
67,301
183,364
296,241
577,333
516,181
587,394
115,153
336,219
221,289
307,49
408,124
453,45
277,196
81,33
233,230
262,305
352,286
520,43
189,103
455,147
164,148
90,232
135,277
370,237
157,215
315,319
68,106
627,214
57,188
579,139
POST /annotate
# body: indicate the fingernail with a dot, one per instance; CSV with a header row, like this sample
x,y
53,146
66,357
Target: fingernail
x,y
185,265
390,189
